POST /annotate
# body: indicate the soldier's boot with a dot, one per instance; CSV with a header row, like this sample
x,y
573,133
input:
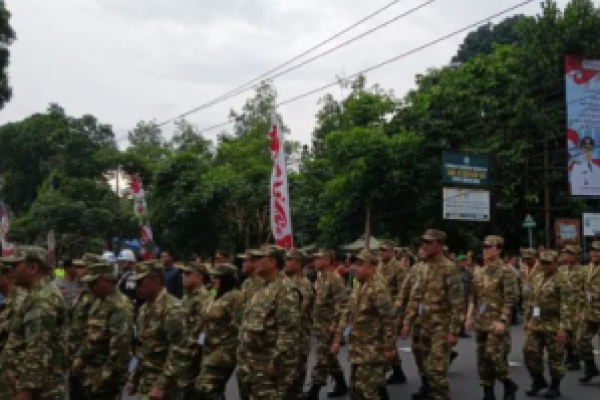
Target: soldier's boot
x,y
383,393
574,364
313,392
397,376
488,392
423,392
340,388
453,355
554,391
539,383
590,371
510,389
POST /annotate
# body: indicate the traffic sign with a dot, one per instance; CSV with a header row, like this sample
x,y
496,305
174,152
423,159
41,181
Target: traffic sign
x,y
529,222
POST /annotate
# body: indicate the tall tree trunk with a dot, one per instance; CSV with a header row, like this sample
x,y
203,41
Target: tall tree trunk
x,y
367,226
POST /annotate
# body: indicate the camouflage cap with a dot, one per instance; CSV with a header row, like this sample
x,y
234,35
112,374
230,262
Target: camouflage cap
x,y
6,268
79,263
528,253
197,267
295,254
386,245
434,235
98,270
368,257
245,255
325,253
89,259
222,269
268,250
595,245
146,268
571,249
548,256
27,253
493,240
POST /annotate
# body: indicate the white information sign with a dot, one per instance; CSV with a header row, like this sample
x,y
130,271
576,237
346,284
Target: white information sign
x,y
591,224
465,204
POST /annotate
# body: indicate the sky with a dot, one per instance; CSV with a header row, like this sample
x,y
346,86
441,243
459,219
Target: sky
x,y
130,60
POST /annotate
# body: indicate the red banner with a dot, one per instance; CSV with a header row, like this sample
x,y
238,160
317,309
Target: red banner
x,y
281,220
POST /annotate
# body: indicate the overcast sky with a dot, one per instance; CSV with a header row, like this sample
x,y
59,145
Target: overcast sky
x,y
127,60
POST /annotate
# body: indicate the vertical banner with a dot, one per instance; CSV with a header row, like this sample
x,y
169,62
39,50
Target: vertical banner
x,y
583,125
8,248
567,231
147,247
281,220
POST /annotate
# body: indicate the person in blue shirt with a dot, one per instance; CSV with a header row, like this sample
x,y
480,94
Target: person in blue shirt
x,y
173,276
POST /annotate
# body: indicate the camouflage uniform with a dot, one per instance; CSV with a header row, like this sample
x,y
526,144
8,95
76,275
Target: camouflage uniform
x,y
8,310
162,341
371,317
401,305
438,298
546,315
269,335
493,298
589,303
243,369
526,276
330,303
35,354
304,343
393,275
574,278
220,325
106,344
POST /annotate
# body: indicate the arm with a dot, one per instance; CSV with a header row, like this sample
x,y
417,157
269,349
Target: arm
x,y
287,316
135,376
340,298
509,295
344,320
387,313
565,306
178,357
456,298
120,328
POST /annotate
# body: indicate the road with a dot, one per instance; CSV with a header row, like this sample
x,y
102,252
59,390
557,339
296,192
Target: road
x,y
463,375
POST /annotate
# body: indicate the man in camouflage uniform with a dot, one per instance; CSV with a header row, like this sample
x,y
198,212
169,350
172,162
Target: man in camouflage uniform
x,y
491,303
330,302
393,275
34,359
371,318
251,285
570,268
589,304
78,318
547,321
195,299
527,273
270,329
104,355
293,269
220,325
13,298
438,299
162,338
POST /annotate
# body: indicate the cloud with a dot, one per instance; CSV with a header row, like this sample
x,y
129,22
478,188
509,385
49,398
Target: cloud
x,y
124,61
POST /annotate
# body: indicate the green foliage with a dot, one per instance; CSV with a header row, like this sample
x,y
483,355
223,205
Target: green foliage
x,y
7,36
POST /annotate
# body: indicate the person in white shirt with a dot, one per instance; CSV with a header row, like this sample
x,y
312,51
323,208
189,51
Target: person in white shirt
x,y
585,175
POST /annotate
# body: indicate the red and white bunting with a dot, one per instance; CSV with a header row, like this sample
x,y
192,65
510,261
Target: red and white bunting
x,y
281,219
146,242
8,248
139,196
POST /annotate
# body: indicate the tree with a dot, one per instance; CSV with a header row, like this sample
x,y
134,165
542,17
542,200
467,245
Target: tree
x,y
7,36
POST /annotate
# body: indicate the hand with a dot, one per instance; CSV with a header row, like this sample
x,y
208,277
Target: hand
x,y
499,328
527,328
335,348
332,330
272,371
156,394
469,324
131,389
24,395
452,339
77,369
561,337
405,332
389,355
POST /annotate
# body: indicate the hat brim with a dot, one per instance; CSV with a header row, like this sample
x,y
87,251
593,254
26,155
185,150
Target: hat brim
x,y
137,277
89,278
11,260
429,237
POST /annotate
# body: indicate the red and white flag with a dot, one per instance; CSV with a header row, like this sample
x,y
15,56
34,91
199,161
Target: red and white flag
x,y
281,219
8,248
139,196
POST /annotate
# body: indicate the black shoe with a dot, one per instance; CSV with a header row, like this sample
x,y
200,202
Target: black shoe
x,y
340,389
510,390
453,356
554,391
397,377
464,335
574,364
488,393
590,371
539,383
423,392
383,393
313,393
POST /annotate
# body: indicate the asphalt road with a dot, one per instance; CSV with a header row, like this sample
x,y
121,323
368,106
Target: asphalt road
x,y
463,375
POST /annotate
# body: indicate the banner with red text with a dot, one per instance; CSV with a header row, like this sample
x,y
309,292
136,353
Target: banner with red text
x,y
281,220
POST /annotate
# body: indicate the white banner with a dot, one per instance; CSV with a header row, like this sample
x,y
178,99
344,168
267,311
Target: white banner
x,y
281,220
8,248
466,204
591,224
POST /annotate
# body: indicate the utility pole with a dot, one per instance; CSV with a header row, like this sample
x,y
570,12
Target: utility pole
x,y
546,190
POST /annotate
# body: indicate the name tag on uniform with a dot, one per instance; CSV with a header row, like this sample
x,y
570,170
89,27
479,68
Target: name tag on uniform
x,y
537,312
420,310
590,296
482,308
347,331
201,339
526,288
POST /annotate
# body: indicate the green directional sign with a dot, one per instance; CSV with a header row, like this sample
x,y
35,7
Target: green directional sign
x,y
465,169
529,222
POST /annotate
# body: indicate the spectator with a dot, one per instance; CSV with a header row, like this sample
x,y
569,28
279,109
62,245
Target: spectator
x,y
70,285
173,277
127,261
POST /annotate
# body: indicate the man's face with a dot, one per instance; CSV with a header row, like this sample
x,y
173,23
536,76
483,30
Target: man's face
x,y
146,287
99,287
588,152
248,265
81,271
4,281
386,253
430,249
265,265
595,256
24,273
292,265
166,258
490,252
191,279
322,262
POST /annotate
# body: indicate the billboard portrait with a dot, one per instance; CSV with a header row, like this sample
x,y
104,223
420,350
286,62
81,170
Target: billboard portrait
x,y
583,125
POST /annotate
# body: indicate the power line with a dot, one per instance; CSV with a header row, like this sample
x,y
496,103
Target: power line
x,y
386,62
256,81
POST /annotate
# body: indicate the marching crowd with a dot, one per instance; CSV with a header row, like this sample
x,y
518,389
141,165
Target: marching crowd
x,y
189,327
